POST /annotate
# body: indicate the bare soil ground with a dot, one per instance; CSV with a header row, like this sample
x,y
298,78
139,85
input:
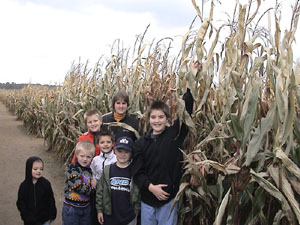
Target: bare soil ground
x,y
15,147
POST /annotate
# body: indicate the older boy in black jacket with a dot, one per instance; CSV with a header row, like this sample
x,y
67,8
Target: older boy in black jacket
x,y
157,164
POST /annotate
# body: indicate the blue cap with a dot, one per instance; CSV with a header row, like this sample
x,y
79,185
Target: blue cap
x,y
124,143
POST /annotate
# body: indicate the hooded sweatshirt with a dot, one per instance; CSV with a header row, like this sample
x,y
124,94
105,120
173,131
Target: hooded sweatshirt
x,y
35,202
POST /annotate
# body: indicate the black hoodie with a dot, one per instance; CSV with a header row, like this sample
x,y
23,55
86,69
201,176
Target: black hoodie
x,y
35,201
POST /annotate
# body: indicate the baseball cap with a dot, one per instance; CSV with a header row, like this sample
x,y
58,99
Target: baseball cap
x,y
124,143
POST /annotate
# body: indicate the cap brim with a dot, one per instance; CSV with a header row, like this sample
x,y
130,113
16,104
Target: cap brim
x,y
122,146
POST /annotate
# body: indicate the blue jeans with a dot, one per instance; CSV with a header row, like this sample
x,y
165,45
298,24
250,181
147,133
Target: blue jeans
x,y
159,215
76,216
46,223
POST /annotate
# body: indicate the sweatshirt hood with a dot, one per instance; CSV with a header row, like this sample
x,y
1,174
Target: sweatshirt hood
x,y
29,163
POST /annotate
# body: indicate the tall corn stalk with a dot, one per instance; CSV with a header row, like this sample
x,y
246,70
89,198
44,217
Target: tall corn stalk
x,y
242,166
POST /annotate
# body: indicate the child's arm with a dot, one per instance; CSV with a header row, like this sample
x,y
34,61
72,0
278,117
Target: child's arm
x,y
158,192
99,199
137,166
51,203
100,218
26,215
189,101
94,183
93,167
180,129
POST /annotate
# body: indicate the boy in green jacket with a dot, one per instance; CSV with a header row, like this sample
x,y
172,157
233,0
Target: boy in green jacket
x,y
117,197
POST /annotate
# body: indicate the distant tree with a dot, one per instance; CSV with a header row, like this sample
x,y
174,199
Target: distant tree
x,y
15,86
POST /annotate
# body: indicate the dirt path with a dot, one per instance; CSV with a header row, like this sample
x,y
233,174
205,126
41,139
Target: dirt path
x,y
15,147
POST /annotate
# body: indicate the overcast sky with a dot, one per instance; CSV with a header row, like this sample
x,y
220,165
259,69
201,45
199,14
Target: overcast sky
x,y
40,39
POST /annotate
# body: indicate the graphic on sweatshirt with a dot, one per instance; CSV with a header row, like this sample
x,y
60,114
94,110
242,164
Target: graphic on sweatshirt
x,y
120,184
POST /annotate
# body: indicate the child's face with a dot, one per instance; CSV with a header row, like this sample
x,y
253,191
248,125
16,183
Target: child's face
x,y
37,170
93,123
105,144
84,158
158,121
123,156
120,106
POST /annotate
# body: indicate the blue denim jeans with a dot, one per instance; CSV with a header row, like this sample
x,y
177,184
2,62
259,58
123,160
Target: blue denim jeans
x,y
76,216
159,215
46,223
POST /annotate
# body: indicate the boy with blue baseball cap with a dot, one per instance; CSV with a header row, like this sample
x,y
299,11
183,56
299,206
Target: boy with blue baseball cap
x,y
117,197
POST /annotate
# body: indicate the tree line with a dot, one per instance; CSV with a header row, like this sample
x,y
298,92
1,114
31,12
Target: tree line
x,y
15,86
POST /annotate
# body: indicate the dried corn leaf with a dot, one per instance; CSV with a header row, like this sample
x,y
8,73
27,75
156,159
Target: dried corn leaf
x,y
258,136
286,188
288,163
272,190
222,208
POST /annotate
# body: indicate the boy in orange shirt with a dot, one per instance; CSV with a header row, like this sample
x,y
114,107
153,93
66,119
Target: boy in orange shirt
x,y
93,120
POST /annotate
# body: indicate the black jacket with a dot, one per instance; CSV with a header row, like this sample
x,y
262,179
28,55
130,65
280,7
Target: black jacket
x,y
120,131
159,160
35,201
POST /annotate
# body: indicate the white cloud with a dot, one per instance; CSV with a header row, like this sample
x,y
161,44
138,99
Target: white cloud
x,y
38,42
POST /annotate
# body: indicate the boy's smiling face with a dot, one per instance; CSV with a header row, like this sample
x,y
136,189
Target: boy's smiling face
x,y
123,156
93,123
105,143
158,121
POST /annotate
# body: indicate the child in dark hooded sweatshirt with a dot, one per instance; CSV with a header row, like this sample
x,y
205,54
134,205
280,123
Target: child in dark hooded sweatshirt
x,y
36,201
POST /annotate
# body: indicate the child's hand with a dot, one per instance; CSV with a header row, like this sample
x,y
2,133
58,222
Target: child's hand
x,y
100,218
158,192
94,183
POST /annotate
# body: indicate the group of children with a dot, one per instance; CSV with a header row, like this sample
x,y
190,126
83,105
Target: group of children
x,y
113,182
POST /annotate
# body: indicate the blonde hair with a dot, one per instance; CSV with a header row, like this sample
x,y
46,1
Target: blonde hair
x,y
92,112
85,145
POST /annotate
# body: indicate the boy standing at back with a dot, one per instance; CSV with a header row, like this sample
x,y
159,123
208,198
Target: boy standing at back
x,y
76,207
93,121
157,164
117,197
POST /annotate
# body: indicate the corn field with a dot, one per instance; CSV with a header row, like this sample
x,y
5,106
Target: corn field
x,y
242,156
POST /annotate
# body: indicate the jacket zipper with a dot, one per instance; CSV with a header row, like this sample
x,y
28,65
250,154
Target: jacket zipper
x,y
34,195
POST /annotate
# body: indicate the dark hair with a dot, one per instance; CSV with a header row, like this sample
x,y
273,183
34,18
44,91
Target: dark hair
x,y
120,95
92,112
105,132
159,105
